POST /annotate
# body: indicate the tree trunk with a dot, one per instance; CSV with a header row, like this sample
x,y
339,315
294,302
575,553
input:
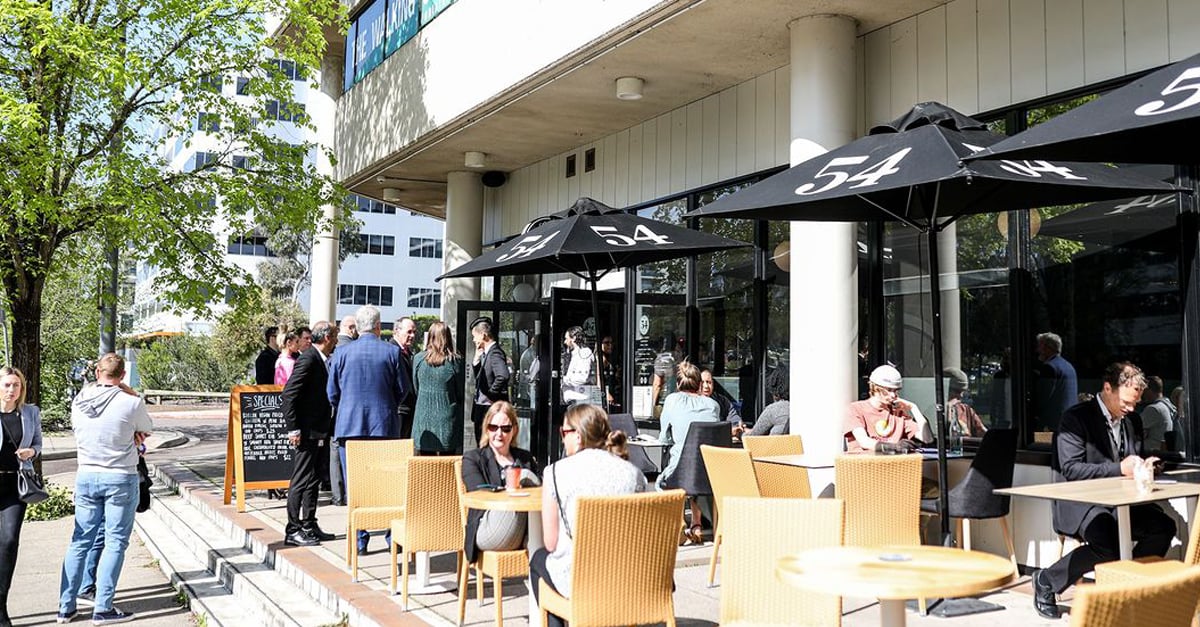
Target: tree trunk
x,y
27,336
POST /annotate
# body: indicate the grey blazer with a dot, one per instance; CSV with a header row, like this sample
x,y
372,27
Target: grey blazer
x,y
31,436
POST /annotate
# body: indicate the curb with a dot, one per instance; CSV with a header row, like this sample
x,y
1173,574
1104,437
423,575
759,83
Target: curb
x,y
170,439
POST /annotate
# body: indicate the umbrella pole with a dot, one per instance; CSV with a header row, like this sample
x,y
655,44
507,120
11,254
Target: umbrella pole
x,y
596,318
935,306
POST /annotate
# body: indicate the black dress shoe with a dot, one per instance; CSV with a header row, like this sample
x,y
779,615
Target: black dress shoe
x,y
1043,597
300,538
319,534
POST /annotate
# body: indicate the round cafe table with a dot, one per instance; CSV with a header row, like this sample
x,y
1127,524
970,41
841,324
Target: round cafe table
x,y
894,574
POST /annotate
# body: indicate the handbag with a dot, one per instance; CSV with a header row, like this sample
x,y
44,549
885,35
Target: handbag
x,y
30,487
144,483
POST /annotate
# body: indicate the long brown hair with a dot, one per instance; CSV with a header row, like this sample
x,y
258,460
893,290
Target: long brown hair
x,y
591,423
439,346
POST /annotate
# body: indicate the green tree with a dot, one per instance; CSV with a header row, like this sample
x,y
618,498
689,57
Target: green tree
x,y
290,271
187,362
70,322
239,334
89,92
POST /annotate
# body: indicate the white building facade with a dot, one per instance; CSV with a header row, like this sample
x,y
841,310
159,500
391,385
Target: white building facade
x,y
661,106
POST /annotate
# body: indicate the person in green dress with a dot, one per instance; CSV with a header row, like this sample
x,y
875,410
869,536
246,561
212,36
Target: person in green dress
x,y
438,380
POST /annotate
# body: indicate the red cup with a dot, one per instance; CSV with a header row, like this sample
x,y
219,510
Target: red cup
x,y
512,480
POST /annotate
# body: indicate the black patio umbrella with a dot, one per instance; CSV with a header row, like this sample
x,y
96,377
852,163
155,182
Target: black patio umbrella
x,y
911,170
1147,121
1143,223
589,240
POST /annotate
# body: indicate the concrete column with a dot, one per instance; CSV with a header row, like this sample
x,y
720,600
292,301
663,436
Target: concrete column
x,y
464,238
951,303
824,255
322,300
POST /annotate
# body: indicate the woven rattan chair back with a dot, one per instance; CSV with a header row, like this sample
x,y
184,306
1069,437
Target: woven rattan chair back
x,y
375,472
778,480
432,518
760,531
731,473
606,561
375,482
1168,601
883,498
768,445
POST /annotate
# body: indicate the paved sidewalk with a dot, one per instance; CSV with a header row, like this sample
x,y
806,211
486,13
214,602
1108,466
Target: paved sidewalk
x,y
142,588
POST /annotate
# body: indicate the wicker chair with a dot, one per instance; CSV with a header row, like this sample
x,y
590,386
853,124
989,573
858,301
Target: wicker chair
x,y
606,561
375,481
1164,601
883,498
778,480
1138,570
760,532
498,565
432,517
731,473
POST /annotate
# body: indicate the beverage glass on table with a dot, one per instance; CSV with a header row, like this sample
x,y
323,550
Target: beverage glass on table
x,y
512,479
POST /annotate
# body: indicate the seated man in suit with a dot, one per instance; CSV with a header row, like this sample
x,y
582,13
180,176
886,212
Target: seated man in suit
x,y
1095,439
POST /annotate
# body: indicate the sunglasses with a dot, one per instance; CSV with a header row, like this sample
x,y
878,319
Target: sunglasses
x,y
565,430
505,428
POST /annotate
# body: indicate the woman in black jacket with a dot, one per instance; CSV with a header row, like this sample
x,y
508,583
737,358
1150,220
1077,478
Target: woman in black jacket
x,y
485,468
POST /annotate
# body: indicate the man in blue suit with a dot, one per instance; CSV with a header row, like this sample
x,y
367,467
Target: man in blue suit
x,y
367,381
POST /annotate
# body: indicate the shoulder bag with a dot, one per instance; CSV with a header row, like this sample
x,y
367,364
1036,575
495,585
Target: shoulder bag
x,y
30,487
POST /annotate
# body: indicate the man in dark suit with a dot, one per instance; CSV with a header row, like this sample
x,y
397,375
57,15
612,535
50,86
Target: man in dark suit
x,y
404,334
367,379
490,370
310,421
264,364
1096,439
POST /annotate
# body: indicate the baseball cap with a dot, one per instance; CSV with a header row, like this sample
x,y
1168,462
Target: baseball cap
x,y
887,377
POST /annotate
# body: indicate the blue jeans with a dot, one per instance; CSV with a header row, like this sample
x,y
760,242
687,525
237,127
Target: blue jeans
x,y
104,504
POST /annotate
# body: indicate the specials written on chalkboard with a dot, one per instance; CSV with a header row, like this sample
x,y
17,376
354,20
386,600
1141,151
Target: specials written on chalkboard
x,y
259,455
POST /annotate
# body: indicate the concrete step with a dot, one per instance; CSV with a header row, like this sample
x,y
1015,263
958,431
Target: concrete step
x,y
253,542
224,580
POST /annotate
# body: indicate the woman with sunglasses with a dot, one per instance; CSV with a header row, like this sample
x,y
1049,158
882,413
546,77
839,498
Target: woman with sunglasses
x,y
596,465
485,468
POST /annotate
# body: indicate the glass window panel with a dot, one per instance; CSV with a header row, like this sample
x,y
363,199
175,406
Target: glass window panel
x,y
664,277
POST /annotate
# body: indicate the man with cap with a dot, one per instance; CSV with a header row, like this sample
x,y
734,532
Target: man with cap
x,y
884,416
969,422
490,369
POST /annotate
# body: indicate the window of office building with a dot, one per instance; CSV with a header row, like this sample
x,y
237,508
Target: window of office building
x,y
250,244
425,247
423,297
378,295
201,159
208,122
366,205
285,111
378,244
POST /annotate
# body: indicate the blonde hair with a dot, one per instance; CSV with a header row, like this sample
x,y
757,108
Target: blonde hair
x,y
9,370
687,377
499,407
591,423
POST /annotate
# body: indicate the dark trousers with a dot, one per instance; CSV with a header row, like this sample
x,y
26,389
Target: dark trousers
x,y
537,573
337,483
12,513
1152,532
477,413
323,463
304,487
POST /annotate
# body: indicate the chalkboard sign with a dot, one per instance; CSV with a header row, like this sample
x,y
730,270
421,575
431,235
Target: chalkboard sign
x,y
256,442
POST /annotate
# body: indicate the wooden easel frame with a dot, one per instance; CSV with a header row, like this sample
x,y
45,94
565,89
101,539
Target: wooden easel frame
x,y
235,473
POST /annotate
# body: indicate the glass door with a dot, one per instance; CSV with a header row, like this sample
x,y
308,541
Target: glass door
x,y
518,328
